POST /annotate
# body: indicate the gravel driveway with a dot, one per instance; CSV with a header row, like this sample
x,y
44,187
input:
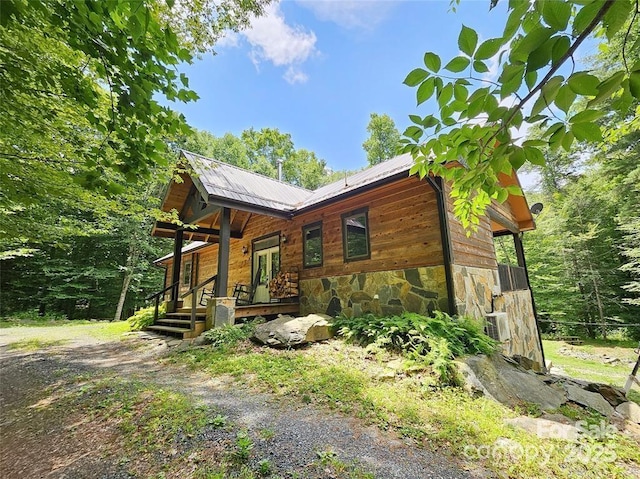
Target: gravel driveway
x,y
299,431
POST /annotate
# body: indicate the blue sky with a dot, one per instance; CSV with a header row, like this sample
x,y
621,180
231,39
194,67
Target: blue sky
x,y
317,69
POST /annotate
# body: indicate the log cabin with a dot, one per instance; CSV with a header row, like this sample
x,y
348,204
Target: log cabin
x,y
380,241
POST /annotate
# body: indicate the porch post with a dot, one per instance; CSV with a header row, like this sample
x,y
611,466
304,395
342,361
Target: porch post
x,y
177,264
223,253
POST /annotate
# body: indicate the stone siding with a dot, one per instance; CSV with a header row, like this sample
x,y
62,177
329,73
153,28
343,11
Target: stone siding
x,y
474,288
418,290
522,324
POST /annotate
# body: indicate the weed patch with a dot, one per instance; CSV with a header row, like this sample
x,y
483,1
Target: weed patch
x,y
144,317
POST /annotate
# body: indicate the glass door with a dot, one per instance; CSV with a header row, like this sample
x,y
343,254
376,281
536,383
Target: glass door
x,y
267,264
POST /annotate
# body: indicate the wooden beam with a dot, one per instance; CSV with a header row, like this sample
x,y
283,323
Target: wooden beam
x,y
223,253
199,215
503,220
177,264
245,222
199,230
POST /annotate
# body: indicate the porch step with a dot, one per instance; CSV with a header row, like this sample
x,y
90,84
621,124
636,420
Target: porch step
x,y
169,329
199,310
185,323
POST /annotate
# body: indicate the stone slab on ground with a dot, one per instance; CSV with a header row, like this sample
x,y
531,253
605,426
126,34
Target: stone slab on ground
x,y
588,399
287,331
508,384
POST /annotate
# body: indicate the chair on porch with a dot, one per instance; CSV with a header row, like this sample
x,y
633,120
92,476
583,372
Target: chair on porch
x,y
244,293
207,294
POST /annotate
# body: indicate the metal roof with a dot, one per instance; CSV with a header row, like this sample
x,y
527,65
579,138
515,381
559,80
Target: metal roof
x,y
237,184
185,249
230,182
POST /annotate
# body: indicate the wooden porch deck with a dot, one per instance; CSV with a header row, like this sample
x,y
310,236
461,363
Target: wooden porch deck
x,y
267,309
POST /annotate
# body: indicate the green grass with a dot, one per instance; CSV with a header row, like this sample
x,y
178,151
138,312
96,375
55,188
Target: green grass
x,y
104,331
594,369
343,377
35,344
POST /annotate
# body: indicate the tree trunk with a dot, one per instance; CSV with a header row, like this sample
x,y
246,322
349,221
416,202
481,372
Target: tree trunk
x,y
123,294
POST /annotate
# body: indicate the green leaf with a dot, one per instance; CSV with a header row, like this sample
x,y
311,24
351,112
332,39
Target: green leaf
x,y
416,119
425,90
480,67
457,64
488,48
530,42
565,98
517,158
432,62
511,78
616,16
585,16
584,83
567,141
586,132
415,77
560,48
429,121
530,79
467,40
634,84
541,56
534,155
460,92
586,116
607,88
445,95
413,132
170,3
556,14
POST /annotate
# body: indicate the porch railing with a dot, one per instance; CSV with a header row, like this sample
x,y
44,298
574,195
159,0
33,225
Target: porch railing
x,y
194,298
160,294
512,278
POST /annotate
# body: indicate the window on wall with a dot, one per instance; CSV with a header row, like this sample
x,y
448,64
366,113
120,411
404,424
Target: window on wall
x,y
186,273
312,245
355,235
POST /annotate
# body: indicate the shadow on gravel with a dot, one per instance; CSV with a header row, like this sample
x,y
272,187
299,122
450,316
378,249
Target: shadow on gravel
x,y
288,435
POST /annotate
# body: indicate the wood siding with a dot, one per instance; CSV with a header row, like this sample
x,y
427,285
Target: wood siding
x,y
404,233
476,250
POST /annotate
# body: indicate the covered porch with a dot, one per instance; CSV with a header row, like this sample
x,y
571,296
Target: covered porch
x,y
214,256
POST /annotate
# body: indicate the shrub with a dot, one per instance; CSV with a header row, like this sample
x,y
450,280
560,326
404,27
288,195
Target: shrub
x,y
228,335
144,317
433,341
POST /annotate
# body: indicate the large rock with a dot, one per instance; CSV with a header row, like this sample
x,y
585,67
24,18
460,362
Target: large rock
x,y
630,411
613,395
544,428
589,399
287,331
507,383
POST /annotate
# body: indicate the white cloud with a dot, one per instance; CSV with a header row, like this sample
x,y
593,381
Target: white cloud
x,y
365,14
293,75
273,40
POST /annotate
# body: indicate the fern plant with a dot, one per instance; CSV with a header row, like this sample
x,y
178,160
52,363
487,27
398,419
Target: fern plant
x,y
434,341
144,317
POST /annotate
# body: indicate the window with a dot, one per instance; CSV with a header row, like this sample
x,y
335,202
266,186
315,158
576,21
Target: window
x,y
312,245
186,273
355,235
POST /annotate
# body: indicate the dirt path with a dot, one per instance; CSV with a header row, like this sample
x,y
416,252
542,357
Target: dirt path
x,y
40,442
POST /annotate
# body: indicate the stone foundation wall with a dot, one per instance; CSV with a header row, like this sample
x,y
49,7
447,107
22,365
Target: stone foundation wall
x,y
474,288
522,324
419,290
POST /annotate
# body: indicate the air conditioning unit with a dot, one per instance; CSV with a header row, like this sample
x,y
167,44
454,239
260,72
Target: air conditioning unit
x,y
497,326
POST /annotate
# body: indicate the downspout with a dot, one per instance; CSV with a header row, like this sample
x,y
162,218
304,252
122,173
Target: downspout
x,y
517,239
445,240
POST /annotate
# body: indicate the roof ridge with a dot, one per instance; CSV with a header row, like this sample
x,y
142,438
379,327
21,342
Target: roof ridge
x,y
246,170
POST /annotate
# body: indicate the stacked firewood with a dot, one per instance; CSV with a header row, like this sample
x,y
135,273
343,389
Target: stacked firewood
x,y
284,285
